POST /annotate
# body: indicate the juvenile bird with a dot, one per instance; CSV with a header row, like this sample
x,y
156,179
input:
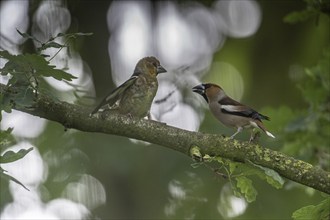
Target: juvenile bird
x,y
134,97
230,112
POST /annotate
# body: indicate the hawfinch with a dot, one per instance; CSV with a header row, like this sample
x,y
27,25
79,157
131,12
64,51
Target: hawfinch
x,y
230,112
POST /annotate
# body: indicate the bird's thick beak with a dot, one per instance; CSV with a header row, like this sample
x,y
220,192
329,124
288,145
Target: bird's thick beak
x,y
200,89
161,69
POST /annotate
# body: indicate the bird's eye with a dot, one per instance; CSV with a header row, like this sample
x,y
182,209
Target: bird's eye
x,y
155,64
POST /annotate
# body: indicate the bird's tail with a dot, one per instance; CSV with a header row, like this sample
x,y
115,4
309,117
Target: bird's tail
x,y
264,117
270,134
262,127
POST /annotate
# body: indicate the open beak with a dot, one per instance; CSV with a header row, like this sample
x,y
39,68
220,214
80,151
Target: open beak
x,y
200,89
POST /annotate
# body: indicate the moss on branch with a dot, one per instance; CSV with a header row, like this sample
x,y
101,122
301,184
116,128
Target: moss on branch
x,y
77,117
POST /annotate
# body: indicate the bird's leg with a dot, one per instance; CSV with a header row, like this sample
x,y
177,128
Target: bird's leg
x,y
105,114
149,116
239,129
130,116
251,136
254,137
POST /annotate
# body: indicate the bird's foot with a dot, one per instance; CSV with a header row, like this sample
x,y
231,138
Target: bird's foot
x,y
254,137
130,116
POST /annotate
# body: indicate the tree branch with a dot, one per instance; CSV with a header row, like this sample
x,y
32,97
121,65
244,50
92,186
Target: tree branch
x,y
73,116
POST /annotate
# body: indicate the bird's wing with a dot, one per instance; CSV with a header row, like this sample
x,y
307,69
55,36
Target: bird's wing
x,y
115,94
233,107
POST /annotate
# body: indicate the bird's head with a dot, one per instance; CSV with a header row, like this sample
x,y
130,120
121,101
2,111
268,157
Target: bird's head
x,y
150,65
209,91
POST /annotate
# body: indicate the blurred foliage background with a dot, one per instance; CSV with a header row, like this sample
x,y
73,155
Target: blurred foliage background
x,y
285,70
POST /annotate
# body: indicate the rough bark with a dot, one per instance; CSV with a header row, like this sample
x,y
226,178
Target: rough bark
x,y
77,117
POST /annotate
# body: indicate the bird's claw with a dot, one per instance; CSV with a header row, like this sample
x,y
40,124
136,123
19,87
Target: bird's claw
x,y
254,137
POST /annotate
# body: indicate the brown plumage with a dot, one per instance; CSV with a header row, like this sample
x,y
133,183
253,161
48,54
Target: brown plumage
x,y
134,97
230,112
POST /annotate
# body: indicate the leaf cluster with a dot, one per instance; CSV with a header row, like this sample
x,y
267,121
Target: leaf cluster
x,y
25,73
308,135
7,140
239,175
51,42
320,211
314,9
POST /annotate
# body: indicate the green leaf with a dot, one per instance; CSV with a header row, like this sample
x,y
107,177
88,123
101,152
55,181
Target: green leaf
x,y
20,96
25,96
5,54
307,133
22,66
73,35
233,166
43,68
299,16
11,156
3,175
241,169
6,139
195,165
51,44
246,188
60,35
5,105
271,176
83,34
320,211
304,213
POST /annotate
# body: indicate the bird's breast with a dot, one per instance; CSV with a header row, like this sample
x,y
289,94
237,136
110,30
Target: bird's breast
x,y
138,98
